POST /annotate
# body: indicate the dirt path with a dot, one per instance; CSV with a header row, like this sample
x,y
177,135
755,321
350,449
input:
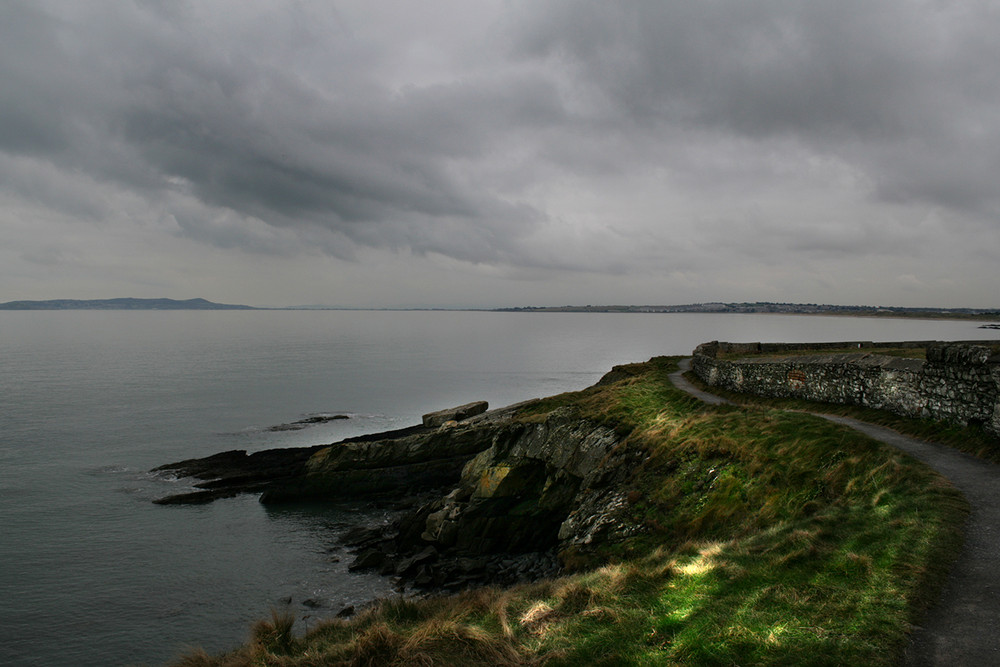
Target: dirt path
x,y
963,629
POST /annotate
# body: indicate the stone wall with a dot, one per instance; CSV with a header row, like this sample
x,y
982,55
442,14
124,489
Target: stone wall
x,y
957,383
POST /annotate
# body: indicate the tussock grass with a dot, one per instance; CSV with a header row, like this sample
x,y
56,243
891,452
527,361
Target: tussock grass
x,y
771,538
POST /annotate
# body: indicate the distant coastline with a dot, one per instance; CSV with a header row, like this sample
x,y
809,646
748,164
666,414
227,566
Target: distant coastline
x,y
767,307
121,304
756,307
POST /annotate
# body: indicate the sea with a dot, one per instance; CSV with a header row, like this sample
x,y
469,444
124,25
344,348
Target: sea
x,y
93,573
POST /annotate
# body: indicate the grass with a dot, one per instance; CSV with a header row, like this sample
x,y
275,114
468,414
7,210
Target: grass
x,y
970,439
770,538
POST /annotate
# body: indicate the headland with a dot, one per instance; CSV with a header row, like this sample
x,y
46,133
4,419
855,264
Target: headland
x,y
627,520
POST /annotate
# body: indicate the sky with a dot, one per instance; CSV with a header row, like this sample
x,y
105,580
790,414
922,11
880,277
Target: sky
x,y
447,153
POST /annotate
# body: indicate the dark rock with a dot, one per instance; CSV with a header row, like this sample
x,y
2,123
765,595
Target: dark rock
x,y
510,493
312,603
539,487
407,565
469,565
230,473
361,536
308,421
425,578
196,497
322,419
368,559
346,612
407,461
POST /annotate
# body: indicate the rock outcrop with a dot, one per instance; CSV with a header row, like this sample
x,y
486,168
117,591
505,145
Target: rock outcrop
x,y
514,491
410,459
230,473
542,488
307,422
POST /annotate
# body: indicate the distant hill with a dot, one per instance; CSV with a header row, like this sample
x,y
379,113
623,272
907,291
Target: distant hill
x,y
121,304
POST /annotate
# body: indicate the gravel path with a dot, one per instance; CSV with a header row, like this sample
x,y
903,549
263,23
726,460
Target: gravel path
x,y
963,628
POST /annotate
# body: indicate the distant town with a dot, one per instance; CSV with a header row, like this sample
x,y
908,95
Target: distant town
x,y
772,307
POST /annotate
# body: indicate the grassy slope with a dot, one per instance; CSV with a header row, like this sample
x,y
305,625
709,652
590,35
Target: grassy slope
x,y
772,538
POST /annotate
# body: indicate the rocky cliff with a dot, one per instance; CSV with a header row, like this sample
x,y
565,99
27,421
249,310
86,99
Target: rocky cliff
x,y
410,459
543,489
515,488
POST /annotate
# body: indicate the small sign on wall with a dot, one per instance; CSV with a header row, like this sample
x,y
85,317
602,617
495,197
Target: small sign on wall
x,y
796,379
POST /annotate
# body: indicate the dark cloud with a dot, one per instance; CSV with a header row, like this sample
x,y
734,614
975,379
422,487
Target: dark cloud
x,y
591,136
32,120
243,133
901,89
753,68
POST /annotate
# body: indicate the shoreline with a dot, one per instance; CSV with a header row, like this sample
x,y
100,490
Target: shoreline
x,y
623,508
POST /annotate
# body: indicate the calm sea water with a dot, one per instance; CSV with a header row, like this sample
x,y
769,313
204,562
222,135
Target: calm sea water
x,y
92,573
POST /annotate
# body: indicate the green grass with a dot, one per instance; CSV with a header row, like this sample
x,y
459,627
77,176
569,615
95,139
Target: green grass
x,y
970,439
771,538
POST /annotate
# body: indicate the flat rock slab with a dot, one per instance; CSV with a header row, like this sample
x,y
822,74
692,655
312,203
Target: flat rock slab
x,y
455,414
308,421
962,628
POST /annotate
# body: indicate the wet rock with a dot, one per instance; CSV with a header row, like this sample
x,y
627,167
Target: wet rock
x,y
428,555
230,473
308,421
368,559
361,536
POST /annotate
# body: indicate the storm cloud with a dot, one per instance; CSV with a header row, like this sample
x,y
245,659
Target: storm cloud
x,y
775,150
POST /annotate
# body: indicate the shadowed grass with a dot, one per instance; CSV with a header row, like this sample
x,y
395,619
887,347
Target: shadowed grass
x,y
769,538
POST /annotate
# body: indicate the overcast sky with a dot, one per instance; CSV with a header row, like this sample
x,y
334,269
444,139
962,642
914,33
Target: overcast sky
x,y
457,153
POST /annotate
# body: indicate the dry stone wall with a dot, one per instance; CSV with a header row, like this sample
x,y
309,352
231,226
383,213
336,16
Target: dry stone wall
x,y
958,382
